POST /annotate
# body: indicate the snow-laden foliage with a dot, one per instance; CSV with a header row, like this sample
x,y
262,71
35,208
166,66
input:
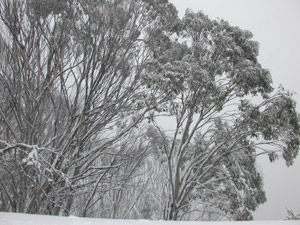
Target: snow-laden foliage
x,y
209,71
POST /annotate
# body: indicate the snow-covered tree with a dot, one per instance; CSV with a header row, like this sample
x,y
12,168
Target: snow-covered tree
x,y
70,93
209,71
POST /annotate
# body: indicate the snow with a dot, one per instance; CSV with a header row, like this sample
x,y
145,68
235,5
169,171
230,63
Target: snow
x,y
26,219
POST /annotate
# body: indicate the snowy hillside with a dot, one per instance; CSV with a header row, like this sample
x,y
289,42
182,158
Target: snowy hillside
x,y
25,219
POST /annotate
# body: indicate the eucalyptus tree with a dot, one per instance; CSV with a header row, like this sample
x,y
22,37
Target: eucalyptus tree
x,y
71,91
225,114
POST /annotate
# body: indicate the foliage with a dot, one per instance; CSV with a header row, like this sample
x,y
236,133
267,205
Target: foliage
x,y
209,70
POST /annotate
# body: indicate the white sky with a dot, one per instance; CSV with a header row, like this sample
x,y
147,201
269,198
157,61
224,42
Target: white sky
x,y
275,24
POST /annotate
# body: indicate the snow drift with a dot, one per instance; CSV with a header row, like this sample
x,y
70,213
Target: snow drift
x,y
26,219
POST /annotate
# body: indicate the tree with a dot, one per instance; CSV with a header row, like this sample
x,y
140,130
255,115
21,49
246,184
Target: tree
x,y
71,92
209,70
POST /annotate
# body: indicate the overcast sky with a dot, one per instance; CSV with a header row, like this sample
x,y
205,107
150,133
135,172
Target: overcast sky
x,y
275,24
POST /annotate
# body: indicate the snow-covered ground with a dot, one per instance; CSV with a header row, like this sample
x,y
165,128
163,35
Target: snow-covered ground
x,y
25,219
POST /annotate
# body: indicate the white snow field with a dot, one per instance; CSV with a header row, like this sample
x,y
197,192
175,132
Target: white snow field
x,y
26,219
